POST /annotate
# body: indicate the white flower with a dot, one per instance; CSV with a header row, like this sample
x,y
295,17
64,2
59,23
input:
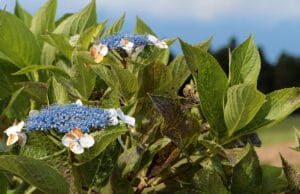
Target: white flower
x,y
127,45
77,141
14,134
157,42
98,51
115,113
74,40
78,102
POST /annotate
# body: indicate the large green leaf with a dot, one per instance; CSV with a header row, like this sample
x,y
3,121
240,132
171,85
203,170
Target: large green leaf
x,y
35,172
279,104
89,35
243,102
179,69
208,181
142,28
211,83
115,28
82,77
18,106
102,140
273,179
57,94
60,42
44,19
35,90
153,79
21,13
245,63
247,175
17,42
74,24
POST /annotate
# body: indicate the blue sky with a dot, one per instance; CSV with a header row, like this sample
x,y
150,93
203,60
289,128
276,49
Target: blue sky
x,y
275,24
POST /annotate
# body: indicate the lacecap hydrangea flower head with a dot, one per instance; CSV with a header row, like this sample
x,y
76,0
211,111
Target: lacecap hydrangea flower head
x,y
74,120
130,43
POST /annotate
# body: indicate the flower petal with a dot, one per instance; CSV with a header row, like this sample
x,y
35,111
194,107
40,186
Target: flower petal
x,y
12,138
113,120
15,128
76,148
33,113
68,138
157,42
86,141
126,119
127,45
78,102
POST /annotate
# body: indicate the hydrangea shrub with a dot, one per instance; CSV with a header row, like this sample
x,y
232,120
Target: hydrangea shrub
x,y
145,122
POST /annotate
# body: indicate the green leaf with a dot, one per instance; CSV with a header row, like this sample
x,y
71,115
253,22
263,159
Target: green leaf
x,y
235,155
102,140
245,64
74,24
43,20
89,35
36,90
180,70
153,79
142,28
208,181
243,102
211,84
247,175
60,42
17,42
273,179
51,68
39,146
3,183
279,104
82,77
18,106
35,172
21,13
57,94
157,146
126,81
115,28
213,147
292,175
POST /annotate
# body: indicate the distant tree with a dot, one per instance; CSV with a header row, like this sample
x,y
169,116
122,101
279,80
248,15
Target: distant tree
x,y
287,71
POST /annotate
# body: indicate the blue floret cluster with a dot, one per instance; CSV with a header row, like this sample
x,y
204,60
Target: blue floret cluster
x,y
64,118
114,41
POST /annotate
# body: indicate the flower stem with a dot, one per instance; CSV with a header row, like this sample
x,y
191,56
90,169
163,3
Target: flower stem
x,y
75,172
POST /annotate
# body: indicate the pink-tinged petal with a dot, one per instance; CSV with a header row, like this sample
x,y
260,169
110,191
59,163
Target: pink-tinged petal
x,y
12,138
77,132
86,141
76,148
68,138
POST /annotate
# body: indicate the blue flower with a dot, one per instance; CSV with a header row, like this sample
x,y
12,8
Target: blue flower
x,y
64,118
130,43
